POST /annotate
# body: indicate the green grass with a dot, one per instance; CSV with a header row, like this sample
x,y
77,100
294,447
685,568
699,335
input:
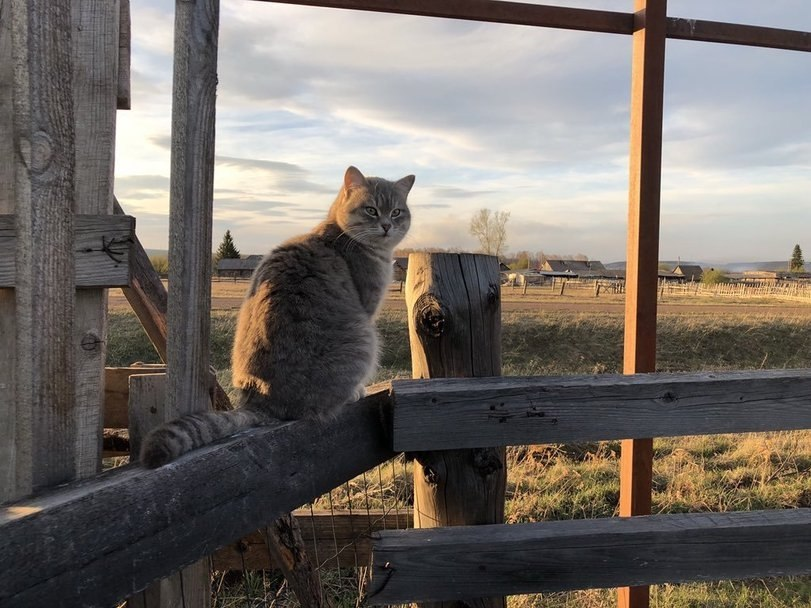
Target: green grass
x,y
706,473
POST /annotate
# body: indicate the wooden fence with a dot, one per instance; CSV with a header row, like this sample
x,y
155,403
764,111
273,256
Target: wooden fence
x,y
66,538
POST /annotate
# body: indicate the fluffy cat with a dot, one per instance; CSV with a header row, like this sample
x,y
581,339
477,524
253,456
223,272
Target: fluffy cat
x,y
306,342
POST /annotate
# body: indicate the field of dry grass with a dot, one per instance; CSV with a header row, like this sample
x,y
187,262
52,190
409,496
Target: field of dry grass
x,y
707,473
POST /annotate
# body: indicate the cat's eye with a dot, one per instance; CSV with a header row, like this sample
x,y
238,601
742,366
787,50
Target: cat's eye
x,y
371,211
395,212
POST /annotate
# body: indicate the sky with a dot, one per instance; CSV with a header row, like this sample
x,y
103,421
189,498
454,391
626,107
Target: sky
x,y
533,121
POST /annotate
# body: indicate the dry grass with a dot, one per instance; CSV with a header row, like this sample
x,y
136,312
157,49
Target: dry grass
x,y
706,473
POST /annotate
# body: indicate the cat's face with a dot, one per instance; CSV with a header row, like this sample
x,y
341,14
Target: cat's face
x,y
373,211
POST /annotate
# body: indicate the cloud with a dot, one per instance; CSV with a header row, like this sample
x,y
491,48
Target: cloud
x,y
530,120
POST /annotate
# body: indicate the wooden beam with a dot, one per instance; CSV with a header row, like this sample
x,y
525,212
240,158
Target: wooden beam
x,y
100,244
492,11
124,93
95,84
147,294
734,33
642,261
561,409
454,326
609,22
148,298
8,325
451,563
339,539
191,203
186,509
44,155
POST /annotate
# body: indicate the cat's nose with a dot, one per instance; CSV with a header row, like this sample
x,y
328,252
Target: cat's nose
x,y
386,227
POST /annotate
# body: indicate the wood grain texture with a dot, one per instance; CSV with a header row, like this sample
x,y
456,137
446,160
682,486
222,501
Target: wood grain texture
x,y
124,92
95,25
185,510
101,247
117,392
8,324
560,409
449,563
642,261
147,410
333,540
454,320
191,205
191,201
286,547
44,146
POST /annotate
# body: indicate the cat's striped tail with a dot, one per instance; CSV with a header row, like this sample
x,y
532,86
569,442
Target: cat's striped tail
x,y
175,438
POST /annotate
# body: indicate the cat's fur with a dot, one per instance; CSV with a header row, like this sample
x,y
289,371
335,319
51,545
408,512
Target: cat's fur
x,y
305,341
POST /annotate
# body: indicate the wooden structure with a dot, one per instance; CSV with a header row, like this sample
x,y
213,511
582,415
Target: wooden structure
x,y
454,322
57,115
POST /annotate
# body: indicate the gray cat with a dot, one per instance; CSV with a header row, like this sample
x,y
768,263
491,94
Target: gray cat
x,y
305,341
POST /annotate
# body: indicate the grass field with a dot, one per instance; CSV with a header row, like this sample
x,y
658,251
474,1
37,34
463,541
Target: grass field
x,y
706,473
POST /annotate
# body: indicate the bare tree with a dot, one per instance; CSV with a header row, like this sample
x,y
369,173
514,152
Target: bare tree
x,y
490,227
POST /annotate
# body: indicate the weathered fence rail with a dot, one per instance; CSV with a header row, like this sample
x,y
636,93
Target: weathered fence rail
x,y
455,563
77,546
210,497
517,411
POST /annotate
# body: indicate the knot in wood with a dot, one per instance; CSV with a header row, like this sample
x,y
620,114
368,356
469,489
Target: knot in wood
x,y
486,461
493,294
40,153
430,475
668,397
430,315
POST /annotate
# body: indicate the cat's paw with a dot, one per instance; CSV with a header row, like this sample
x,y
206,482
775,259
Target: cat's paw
x,y
358,394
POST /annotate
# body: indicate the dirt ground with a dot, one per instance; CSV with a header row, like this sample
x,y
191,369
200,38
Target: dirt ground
x,y
227,295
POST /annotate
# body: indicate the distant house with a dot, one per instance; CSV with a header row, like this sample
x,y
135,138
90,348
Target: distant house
x,y
690,273
400,266
580,268
238,268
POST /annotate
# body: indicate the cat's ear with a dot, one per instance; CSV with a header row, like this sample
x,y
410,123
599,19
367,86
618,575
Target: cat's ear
x,y
353,178
404,185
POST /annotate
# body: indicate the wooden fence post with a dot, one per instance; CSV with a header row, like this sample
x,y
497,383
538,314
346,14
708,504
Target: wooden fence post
x,y
645,168
148,409
454,320
37,404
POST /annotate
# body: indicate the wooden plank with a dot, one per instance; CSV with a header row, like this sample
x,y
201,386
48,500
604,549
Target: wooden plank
x,y
339,539
492,11
185,510
518,13
191,205
101,246
734,33
44,146
146,294
561,409
148,298
8,332
95,83
454,323
642,261
117,392
124,93
147,410
450,563
191,201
